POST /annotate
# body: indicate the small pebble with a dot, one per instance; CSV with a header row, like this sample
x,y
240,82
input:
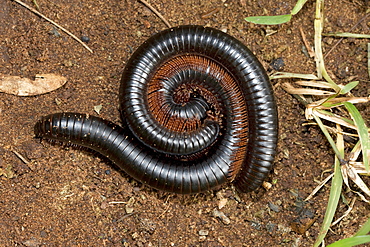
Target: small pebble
x,y
270,227
222,203
54,32
256,225
135,235
33,242
67,63
43,234
203,232
58,101
85,39
222,216
274,207
277,64
342,72
136,189
147,225
107,172
202,238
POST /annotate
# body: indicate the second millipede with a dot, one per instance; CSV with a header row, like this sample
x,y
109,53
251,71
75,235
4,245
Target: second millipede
x,y
197,109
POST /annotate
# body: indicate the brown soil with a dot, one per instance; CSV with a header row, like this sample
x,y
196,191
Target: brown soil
x,y
63,196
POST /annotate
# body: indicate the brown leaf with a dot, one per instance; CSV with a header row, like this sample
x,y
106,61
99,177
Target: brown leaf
x,y
43,83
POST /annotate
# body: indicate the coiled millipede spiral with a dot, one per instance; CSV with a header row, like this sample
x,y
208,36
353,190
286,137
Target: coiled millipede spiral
x,y
197,109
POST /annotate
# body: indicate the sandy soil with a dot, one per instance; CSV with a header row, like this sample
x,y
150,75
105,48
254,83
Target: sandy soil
x,y
63,196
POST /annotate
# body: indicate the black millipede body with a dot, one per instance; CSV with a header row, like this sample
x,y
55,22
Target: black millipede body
x,y
197,109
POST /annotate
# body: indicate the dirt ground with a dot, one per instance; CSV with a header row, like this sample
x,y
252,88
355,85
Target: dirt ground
x,y
63,196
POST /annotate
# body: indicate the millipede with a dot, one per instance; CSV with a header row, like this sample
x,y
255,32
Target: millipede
x,y
197,111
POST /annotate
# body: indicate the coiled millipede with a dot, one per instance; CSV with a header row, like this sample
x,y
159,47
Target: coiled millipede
x,y
197,109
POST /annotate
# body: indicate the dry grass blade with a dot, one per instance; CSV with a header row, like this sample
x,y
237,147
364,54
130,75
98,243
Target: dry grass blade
x,y
316,104
368,58
353,175
318,25
348,35
345,213
333,118
362,197
21,157
353,100
341,39
319,187
335,131
55,24
345,175
156,12
307,45
359,168
327,103
319,84
305,91
285,75
355,153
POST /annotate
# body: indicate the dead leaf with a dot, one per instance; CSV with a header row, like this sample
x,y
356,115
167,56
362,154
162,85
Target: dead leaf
x,y
43,83
130,205
97,108
7,172
222,203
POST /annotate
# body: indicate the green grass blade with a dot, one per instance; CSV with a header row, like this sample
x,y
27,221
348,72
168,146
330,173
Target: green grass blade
x,y
36,5
365,229
362,132
335,190
320,64
349,87
328,136
269,20
298,6
348,242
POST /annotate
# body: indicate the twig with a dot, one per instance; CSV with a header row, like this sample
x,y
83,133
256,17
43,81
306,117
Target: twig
x,y
340,40
21,157
155,12
125,216
308,47
163,213
49,20
115,202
